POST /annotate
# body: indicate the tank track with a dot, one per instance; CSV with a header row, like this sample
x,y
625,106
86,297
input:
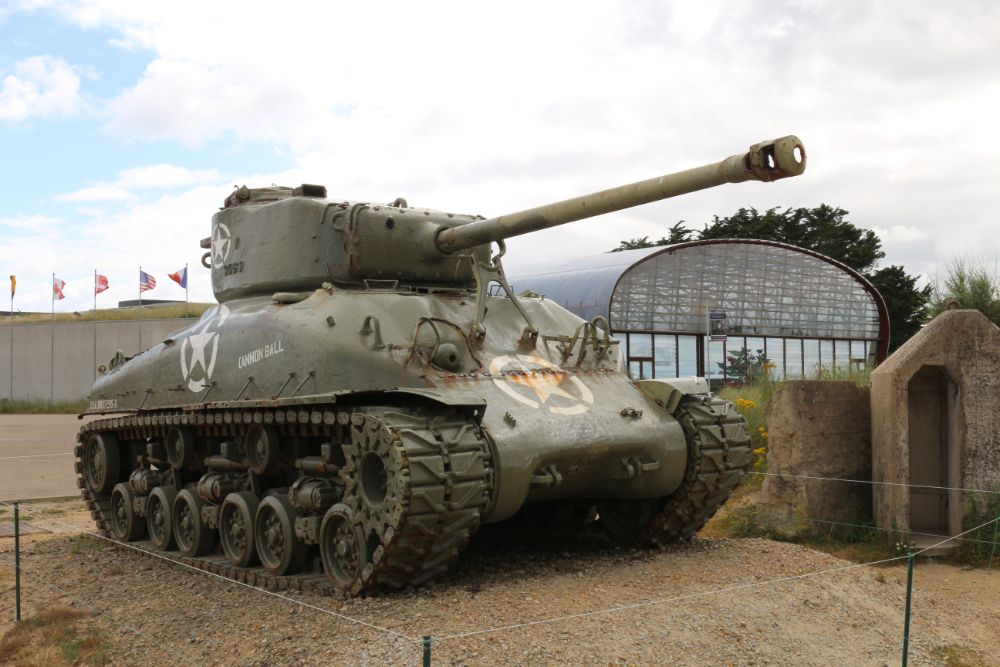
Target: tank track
x,y
718,457
441,479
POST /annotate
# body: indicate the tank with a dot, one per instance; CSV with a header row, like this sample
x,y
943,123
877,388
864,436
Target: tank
x,y
369,391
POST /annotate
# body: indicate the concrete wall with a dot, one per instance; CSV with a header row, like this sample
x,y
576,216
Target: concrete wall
x,y
817,429
58,360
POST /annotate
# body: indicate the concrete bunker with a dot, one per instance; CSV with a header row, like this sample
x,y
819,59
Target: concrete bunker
x,y
935,415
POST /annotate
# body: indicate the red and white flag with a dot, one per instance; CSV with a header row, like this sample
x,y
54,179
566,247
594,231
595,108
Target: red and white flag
x,y
57,288
100,283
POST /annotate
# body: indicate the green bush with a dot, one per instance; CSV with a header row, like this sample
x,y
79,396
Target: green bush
x,y
979,546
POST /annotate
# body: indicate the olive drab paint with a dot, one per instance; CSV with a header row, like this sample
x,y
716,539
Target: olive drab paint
x,y
376,324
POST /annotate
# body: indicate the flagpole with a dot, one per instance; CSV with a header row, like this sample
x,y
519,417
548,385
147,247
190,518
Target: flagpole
x,y
187,292
52,345
13,282
140,311
93,366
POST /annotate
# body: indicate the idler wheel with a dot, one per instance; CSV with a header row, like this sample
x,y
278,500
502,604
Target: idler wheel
x,y
274,536
342,549
193,537
126,525
101,462
180,447
159,520
236,519
261,444
626,518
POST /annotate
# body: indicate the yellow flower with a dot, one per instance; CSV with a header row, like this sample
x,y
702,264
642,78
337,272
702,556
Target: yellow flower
x,y
745,403
760,451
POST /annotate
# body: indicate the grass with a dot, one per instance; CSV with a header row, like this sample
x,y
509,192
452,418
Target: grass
x,y
81,542
41,407
152,312
981,545
56,635
957,656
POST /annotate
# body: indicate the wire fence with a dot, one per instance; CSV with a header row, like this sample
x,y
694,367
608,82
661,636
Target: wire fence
x,y
425,642
34,456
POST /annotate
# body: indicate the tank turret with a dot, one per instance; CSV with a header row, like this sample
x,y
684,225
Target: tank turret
x,y
282,239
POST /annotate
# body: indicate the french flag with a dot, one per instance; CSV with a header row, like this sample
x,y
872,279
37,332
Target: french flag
x,y
180,277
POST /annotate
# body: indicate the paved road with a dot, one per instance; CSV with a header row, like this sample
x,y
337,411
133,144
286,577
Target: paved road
x,y
36,456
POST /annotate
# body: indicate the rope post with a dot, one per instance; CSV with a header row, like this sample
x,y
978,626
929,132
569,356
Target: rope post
x,y
993,550
427,651
910,557
17,561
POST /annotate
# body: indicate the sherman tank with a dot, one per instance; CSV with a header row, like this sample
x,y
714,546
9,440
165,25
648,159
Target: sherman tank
x,y
369,391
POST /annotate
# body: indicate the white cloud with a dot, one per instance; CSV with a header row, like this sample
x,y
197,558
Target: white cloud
x,y
900,234
103,192
30,223
140,178
39,86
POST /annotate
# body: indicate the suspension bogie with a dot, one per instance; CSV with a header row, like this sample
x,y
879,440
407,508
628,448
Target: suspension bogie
x,y
332,494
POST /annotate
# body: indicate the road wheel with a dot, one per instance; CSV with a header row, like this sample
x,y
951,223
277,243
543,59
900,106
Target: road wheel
x,y
101,462
236,519
126,525
159,508
193,537
274,536
342,549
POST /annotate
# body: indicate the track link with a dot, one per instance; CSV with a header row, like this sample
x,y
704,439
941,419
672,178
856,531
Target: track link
x,y
718,457
444,476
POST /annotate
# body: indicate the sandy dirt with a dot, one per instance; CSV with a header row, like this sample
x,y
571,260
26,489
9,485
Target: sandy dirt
x,y
157,612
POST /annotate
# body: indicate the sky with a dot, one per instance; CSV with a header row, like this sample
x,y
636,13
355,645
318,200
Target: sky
x,y
124,125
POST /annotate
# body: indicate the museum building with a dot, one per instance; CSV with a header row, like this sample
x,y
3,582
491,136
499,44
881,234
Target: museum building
x,y
683,309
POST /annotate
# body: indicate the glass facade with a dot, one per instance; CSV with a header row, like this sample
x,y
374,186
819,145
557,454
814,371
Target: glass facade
x,y
794,311
800,313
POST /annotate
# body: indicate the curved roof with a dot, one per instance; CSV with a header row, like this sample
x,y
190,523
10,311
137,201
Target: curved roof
x,y
766,288
583,285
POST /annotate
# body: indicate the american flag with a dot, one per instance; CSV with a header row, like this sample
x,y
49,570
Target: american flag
x,y
146,281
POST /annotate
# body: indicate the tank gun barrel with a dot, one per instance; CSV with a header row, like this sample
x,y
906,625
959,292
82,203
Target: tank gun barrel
x,y
766,161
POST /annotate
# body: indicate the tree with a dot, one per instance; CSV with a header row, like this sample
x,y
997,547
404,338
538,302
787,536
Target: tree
x,y
745,366
973,284
678,234
903,300
824,229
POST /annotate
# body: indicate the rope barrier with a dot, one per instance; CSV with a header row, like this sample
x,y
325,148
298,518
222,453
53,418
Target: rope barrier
x,y
34,456
62,592
868,527
869,481
233,581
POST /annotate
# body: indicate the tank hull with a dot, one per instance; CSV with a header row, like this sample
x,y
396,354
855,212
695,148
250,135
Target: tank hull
x,y
557,430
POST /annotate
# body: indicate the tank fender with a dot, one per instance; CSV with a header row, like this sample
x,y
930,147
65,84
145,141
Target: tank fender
x,y
475,405
670,392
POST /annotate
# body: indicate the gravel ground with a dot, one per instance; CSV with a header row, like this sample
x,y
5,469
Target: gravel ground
x,y
156,612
